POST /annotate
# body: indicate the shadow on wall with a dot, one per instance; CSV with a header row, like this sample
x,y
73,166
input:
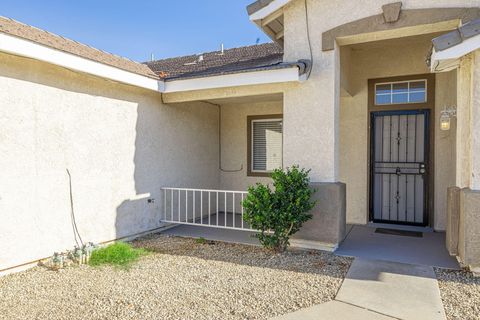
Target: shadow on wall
x,y
120,143
175,146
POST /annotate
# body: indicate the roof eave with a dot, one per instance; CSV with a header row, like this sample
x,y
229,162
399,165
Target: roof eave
x,y
294,72
265,12
448,59
450,48
263,8
29,49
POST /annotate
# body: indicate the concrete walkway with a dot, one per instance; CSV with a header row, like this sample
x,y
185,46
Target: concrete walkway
x,y
381,290
429,250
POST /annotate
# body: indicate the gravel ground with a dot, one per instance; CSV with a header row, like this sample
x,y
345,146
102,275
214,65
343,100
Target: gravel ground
x,y
180,279
460,294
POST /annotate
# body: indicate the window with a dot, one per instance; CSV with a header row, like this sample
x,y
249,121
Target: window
x,y
404,92
265,139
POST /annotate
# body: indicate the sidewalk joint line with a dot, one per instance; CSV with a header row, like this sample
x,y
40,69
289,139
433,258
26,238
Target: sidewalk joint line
x,y
357,306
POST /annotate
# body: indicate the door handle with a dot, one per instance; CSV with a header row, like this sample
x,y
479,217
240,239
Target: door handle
x,y
422,168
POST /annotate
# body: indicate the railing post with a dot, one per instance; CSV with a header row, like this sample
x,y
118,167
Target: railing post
x,y
233,200
242,209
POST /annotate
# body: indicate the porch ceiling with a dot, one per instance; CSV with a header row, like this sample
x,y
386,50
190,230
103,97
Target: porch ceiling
x,y
404,41
249,99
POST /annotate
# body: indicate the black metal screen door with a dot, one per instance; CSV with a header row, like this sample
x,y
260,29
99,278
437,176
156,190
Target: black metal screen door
x,y
399,157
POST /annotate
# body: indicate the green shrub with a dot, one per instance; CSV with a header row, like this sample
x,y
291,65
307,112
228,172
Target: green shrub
x,y
117,254
279,213
201,240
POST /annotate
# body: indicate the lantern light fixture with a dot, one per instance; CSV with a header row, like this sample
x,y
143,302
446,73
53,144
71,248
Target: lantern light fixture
x,y
445,117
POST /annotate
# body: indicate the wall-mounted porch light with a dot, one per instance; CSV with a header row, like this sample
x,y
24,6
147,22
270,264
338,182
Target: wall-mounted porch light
x,y
445,117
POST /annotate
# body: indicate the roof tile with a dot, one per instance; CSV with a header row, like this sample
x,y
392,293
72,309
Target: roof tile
x,y
218,63
18,29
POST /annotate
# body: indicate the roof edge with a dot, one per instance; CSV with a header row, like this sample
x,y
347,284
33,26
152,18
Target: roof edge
x,y
449,48
257,5
34,34
261,9
457,36
284,73
12,44
302,65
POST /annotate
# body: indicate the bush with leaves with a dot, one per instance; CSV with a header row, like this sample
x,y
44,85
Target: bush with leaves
x,y
279,213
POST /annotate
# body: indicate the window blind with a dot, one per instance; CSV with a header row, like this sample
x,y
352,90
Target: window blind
x,y
266,145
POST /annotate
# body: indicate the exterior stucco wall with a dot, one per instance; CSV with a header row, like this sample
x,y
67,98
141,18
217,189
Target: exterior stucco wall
x,y
464,201
120,144
475,123
384,61
315,107
234,142
445,147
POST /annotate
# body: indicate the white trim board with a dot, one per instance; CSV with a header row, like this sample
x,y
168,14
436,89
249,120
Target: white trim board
x,y
269,9
234,80
30,49
26,48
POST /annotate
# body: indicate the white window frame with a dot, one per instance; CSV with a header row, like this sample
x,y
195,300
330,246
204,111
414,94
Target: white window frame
x,y
273,119
391,94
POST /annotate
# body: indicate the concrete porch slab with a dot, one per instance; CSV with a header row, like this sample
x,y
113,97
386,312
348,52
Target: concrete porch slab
x,y
333,310
430,250
398,290
217,234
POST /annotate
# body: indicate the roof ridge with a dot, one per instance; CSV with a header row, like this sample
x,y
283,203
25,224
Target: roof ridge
x,y
273,44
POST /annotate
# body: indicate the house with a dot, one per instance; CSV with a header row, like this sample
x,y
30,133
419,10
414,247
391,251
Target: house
x,y
380,100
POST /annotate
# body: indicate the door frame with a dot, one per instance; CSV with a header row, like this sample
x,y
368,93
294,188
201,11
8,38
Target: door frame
x,y
373,115
428,105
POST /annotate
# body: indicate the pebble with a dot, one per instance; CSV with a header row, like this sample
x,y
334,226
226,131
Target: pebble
x,y
460,292
179,279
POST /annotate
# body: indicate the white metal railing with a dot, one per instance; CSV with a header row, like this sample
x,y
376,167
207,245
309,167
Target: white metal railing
x,y
204,207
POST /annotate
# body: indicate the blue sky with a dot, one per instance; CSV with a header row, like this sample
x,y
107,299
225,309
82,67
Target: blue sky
x,y
135,29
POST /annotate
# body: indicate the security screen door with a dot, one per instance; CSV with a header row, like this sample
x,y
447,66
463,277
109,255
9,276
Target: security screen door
x,y
399,170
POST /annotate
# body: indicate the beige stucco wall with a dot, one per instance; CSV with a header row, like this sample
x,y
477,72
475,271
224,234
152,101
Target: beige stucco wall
x,y
386,60
475,122
464,88
315,106
120,144
445,147
234,142
468,122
